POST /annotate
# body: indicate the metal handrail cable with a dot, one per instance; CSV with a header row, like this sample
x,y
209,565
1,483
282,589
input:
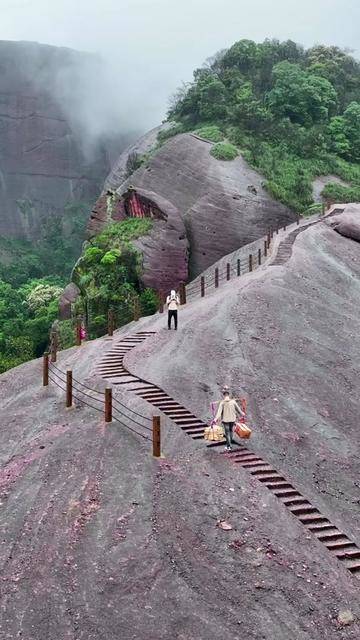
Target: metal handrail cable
x,y
143,426
86,394
115,401
133,430
77,382
87,403
57,384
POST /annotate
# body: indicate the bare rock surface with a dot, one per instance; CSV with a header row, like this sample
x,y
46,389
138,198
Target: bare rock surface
x,y
100,541
68,297
223,204
139,148
288,342
348,224
165,248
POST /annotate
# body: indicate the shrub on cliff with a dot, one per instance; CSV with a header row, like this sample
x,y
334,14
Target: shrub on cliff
x,y
108,275
341,193
224,151
210,132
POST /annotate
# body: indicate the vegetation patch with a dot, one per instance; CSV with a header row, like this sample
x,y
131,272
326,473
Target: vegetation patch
x,y
108,275
175,129
210,132
224,151
26,315
54,253
294,113
32,277
124,231
340,193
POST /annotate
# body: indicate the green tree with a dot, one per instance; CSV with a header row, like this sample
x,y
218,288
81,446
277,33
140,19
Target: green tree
x,y
247,111
338,140
339,68
212,103
243,56
41,295
302,97
344,133
352,127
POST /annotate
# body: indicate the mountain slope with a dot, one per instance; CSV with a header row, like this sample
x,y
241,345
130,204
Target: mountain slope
x,y
101,535
222,204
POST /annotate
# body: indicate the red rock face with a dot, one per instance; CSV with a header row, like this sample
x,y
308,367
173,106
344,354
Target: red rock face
x,y
223,205
165,250
42,164
214,207
108,208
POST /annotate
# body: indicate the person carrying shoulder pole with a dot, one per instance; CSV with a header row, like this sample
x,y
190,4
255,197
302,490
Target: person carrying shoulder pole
x,y
173,303
226,413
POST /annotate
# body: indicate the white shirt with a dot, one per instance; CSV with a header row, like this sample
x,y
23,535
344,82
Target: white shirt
x,y
172,303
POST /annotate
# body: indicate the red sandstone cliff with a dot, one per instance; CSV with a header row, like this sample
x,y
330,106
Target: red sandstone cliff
x,y
43,163
220,206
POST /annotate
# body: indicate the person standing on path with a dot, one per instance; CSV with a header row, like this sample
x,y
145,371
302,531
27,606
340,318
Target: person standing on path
x,y
173,303
227,414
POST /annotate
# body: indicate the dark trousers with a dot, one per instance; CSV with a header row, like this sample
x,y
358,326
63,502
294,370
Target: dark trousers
x,y
172,314
228,427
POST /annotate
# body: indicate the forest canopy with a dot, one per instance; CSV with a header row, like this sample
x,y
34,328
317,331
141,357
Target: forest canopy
x,y
293,113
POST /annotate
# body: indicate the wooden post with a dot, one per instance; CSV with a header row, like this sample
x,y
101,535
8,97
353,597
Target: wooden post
x,y
202,286
284,227
156,437
108,405
54,346
161,302
45,369
111,322
277,231
298,221
259,257
228,271
250,262
238,267
69,389
271,233
136,309
182,293
216,277
269,238
78,333
323,208
265,248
